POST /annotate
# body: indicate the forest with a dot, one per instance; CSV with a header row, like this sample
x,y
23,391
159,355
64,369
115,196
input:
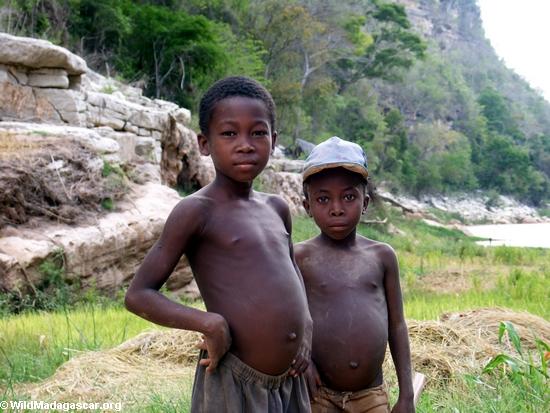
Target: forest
x,y
432,116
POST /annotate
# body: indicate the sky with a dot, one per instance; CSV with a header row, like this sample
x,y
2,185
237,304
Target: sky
x,y
519,32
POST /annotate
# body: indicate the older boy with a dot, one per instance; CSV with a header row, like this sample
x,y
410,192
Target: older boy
x,y
352,285
237,241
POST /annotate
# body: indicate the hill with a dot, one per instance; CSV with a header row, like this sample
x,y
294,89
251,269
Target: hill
x,y
415,82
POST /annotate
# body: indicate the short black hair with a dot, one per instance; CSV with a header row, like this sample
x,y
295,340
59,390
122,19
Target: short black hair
x,y
230,87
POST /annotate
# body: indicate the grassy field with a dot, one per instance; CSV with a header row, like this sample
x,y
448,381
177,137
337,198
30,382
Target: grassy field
x,y
442,271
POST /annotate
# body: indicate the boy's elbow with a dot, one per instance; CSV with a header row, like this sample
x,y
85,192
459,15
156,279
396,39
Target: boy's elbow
x,y
130,300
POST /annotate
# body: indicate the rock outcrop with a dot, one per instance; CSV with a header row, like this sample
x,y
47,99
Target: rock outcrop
x,y
48,93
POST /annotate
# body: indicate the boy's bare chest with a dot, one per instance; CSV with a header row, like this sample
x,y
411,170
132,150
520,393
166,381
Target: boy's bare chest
x,y
238,228
329,273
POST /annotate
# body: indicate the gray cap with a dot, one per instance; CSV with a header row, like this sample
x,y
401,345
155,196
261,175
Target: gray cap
x,y
336,153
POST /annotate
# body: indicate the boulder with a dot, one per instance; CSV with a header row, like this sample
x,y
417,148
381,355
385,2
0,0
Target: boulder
x,y
288,185
50,78
89,138
18,102
38,54
68,104
104,255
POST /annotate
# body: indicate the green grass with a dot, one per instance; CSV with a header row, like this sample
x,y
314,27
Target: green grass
x,y
33,345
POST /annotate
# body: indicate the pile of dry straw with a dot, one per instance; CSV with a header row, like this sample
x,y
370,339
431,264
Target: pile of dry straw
x,y
164,361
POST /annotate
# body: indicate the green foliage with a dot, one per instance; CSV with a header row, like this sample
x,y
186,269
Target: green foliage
x,y
528,372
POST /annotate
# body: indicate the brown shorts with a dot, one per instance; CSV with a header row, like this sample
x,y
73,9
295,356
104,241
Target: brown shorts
x,y
373,400
237,388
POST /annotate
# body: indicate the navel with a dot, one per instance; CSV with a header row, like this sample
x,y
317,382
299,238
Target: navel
x,y
292,336
353,364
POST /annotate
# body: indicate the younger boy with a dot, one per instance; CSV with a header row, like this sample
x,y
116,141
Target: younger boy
x,y
237,241
352,285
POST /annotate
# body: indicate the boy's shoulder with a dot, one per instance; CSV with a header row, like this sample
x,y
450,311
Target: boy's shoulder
x,y
192,208
373,245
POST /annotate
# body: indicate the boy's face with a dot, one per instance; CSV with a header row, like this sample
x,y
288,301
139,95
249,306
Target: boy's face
x,y
240,138
336,199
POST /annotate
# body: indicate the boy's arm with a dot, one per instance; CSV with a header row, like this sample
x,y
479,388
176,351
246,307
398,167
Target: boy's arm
x,y
398,334
300,363
144,299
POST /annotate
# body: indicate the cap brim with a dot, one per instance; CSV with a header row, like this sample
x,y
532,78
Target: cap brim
x,y
353,167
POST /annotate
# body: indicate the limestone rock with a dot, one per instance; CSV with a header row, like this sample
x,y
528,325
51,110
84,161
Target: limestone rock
x,y
50,78
18,102
36,53
68,104
89,138
149,119
288,185
181,160
105,255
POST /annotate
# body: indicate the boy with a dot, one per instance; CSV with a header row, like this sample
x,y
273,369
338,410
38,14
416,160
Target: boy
x,y
257,328
352,285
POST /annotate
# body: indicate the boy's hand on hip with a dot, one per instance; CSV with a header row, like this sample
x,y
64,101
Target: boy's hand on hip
x,y
313,380
216,341
301,361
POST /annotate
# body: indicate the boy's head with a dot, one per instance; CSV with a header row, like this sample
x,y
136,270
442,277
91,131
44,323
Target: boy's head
x,y
233,86
236,117
335,179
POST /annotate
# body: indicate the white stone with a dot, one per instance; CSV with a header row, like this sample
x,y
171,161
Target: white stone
x,y
20,75
150,119
48,78
19,103
68,103
35,53
144,132
105,254
182,115
89,138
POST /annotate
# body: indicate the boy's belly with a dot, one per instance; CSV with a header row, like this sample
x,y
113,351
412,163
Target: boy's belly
x,y
266,320
349,343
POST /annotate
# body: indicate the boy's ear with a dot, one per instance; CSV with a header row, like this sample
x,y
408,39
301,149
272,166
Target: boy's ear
x,y
365,203
305,203
274,136
203,144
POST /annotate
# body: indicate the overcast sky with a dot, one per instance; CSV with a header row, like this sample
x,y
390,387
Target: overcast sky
x,y
520,33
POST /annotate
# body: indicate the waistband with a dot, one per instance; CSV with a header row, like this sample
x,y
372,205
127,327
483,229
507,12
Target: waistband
x,y
247,373
350,395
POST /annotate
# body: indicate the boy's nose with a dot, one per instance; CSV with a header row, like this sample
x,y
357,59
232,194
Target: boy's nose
x,y
244,145
336,210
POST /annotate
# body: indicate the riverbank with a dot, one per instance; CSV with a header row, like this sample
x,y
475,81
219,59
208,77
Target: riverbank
x,y
535,235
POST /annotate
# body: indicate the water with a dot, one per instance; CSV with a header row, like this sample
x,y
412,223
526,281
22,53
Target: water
x,y
513,235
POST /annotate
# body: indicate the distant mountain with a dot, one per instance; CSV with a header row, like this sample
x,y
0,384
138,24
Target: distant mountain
x,y
465,65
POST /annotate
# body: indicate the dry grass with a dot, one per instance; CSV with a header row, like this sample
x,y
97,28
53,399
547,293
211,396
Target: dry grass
x,y
151,362
458,343
50,177
464,342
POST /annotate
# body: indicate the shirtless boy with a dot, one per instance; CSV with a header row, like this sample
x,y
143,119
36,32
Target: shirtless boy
x,y
257,328
353,290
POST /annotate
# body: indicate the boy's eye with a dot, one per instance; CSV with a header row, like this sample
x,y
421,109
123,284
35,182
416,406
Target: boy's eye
x,y
349,197
322,199
259,133
229,133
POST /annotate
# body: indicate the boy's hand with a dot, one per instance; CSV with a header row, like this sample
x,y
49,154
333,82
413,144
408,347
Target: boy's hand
x,y
216,341
403,406
313,380
301,361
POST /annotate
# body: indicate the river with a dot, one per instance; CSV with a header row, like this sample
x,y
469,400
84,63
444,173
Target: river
x,y
513,235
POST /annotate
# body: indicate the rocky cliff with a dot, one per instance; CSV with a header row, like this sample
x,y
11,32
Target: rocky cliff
x,y
63,128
